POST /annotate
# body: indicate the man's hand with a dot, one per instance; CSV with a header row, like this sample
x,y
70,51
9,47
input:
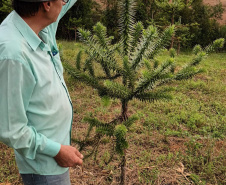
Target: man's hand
x,y
68,156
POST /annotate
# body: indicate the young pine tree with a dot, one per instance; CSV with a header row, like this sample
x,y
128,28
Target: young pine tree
x,y
129,71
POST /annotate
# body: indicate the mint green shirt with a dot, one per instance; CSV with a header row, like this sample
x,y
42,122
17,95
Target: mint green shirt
x,y
35,107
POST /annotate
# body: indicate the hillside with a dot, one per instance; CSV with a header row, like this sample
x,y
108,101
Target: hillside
x,y
210,2
214,2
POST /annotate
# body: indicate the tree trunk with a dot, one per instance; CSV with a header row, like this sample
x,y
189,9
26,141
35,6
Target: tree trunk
x,y
172,39
172,42
123,162
178,47
124,110
123,169
75,33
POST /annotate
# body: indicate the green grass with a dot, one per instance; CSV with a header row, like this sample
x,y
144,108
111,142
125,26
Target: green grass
x,y
181,141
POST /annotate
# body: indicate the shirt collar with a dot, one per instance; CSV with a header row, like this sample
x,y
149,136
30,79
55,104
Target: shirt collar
x,y
32,39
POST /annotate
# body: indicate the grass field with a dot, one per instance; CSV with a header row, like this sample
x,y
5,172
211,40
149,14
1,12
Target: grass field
x,y
181,141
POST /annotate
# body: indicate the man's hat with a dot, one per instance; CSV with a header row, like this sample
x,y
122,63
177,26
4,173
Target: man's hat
x,y
32,1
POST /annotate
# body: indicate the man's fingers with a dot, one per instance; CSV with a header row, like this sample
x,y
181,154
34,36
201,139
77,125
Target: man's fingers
x,y
79,157
78,161
78,154
68,156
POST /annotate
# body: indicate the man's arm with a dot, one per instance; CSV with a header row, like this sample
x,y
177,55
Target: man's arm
x,y
17,84
53,27
65,8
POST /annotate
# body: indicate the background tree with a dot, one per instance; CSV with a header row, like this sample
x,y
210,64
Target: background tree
x,y
172,9
110,17
146,9
5,9
222,34
127,70
84,14
204,16
199,19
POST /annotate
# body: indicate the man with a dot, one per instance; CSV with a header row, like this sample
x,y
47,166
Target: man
x,y
35,107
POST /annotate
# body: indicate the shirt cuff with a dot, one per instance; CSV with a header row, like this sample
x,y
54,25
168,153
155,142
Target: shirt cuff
x,y
52,148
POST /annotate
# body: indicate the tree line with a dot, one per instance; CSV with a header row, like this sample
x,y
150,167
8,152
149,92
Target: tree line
x,y
196,22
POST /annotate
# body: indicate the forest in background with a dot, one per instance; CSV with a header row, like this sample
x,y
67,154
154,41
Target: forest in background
x,y
195,20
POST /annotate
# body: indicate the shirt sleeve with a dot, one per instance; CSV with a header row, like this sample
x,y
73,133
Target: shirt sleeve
x,y
53,27
17,84
64,10
66,7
